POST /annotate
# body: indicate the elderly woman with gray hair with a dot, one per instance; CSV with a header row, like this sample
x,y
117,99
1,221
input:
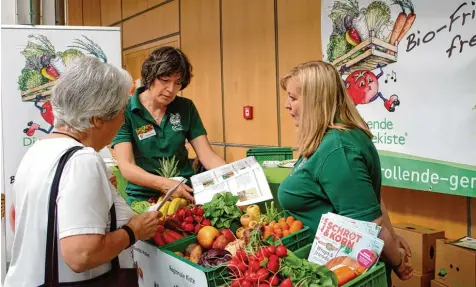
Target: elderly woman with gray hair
x,y
71,227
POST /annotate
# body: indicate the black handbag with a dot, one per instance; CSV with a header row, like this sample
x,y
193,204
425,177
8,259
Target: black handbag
x,y
115,277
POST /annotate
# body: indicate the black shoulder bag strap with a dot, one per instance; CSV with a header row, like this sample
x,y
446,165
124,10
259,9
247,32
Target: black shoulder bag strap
x,y
51,261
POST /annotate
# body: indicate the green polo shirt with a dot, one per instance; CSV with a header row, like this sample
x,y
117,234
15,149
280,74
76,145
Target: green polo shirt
x,y
343,176
151,141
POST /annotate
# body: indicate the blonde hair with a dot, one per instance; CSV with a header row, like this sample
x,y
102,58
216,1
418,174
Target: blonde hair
x,y
324,104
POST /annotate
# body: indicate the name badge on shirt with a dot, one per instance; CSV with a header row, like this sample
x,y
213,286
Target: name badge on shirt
x,y
145,132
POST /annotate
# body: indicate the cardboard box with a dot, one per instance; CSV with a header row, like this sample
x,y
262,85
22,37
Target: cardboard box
x,y
422,243
435,283
455,266
417,280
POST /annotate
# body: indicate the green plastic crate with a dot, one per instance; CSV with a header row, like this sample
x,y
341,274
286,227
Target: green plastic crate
x,y
296,240
264,154
376,277
216,276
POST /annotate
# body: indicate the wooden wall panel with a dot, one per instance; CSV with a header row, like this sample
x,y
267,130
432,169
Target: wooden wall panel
x,y
156,23
200,40
110,12
434,210
235,153
131,7
91,13
134,58
249,71
74,15
299,40
152,3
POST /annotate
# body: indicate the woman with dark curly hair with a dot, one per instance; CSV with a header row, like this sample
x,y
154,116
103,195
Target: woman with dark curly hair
x,y
157,124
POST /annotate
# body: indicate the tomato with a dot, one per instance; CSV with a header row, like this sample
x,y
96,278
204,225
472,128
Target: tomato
x,y
281,251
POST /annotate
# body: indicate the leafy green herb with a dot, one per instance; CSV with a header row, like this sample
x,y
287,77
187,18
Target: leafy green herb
x,y
222,210
306,274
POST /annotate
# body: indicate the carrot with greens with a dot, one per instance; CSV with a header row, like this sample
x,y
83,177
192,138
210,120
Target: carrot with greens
x,y
409,21
399,23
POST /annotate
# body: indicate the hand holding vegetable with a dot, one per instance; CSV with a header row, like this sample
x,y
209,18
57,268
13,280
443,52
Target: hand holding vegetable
x,y
145,225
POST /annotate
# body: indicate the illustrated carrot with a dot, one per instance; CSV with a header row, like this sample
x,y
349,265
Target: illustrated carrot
x,y
409,21
397,28
399,23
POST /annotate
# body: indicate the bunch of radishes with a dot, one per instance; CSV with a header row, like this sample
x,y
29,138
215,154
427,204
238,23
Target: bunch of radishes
x,y
191,218
259,269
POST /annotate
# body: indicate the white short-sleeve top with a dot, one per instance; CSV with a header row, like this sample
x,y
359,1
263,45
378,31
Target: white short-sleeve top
x,y
84,199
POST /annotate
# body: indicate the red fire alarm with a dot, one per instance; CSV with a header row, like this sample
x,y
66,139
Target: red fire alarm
x,y
248,112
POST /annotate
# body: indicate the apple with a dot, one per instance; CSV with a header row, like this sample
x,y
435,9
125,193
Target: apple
x,y
207,235
228,234
221,242
253,211
245,220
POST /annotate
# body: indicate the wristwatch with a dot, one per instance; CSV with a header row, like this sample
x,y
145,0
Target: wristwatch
x,y
132,238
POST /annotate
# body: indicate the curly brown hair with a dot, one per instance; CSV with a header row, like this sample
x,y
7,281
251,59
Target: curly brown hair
x,y
164,62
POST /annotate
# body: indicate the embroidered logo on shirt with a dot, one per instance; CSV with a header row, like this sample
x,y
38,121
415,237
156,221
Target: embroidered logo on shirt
x,y
296,167
146,131
176,122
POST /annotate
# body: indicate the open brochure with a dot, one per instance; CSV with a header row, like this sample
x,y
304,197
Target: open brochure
x,y
346,246
244,178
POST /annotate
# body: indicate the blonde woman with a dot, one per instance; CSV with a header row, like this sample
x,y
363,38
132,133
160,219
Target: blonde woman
x,y
339,167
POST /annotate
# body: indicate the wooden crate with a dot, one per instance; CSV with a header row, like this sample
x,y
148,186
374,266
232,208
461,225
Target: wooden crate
x,y
373,51
44,91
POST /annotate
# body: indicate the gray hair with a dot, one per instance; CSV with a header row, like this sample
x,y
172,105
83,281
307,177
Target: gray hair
x,y
89,88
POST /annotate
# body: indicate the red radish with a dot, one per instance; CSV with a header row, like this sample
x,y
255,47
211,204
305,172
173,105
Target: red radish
x,y
241,255
235,283
264,251
271,249
158,239
262,274
189,227
188,212
274,281
246,283
273,265
198,218
188,219
233,266
263,285
160,228
286,283
241,266
180,214
197,228
206,222
281,251
254,266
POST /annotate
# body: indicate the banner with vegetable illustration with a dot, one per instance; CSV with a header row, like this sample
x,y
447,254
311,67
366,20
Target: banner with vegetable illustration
x,y
409,66
33,58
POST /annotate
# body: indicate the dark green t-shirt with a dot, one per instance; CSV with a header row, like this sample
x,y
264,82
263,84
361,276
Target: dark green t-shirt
x,y
152,141
343,176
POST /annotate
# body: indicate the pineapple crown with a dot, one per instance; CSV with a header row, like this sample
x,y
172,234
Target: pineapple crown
x,y
168,167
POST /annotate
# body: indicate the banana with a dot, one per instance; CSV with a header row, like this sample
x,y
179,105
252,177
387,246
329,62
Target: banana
x,y
160,199
183,202
164,209
174,206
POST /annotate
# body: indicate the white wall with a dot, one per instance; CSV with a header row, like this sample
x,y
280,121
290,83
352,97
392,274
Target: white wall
x,y
8,11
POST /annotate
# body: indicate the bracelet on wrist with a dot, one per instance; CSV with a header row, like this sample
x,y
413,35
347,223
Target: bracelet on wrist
x,y
132,237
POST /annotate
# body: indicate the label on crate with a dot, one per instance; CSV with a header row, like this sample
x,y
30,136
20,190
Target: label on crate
x,y
159,269
343,243
145,261
176,273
